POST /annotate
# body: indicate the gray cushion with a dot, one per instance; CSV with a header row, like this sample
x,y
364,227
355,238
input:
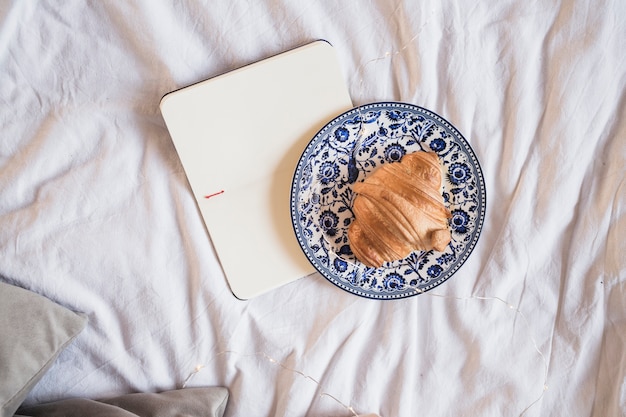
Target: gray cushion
x,y
188,402
33,331
74,407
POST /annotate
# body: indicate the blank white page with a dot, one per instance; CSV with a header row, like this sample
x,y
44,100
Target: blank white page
x,y
239,137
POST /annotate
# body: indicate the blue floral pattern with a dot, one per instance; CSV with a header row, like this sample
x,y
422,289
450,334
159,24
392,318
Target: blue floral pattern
x,y
346,151
394,153
458,173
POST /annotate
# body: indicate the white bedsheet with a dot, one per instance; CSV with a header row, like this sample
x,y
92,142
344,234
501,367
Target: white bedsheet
x,y
96,213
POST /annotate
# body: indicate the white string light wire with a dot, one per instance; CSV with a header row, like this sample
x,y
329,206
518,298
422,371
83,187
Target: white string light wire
x,y
323,392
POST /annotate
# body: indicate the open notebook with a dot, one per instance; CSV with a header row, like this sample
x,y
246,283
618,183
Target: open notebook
x,y
239,137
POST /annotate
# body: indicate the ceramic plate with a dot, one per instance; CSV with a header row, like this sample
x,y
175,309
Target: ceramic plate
x,y
346,151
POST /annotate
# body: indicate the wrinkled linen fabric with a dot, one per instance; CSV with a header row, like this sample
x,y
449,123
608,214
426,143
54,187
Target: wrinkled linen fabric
x,y
96,213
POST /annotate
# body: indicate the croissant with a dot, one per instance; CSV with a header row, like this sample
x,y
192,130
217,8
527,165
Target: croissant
x,y
399,209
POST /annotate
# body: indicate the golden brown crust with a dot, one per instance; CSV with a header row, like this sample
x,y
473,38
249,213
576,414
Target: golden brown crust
x,y
399,209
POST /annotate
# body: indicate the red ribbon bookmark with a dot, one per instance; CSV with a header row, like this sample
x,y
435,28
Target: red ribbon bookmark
x,y
214,194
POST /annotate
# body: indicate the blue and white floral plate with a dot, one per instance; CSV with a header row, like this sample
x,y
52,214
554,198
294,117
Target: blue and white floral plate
x,y
346,151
